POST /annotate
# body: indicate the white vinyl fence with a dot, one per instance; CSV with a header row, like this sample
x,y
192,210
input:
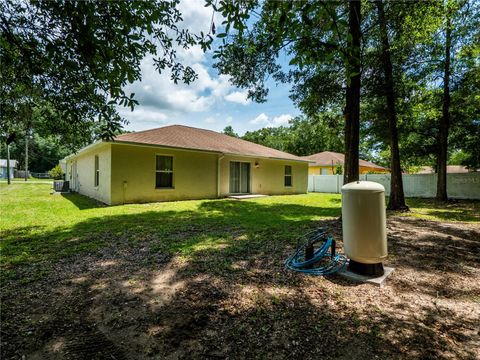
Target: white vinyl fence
x,y
459,186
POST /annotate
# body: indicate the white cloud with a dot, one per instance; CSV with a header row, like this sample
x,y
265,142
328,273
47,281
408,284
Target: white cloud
x,y
239,97
210,120
281,119
197,17
265,120
143,118
260,119
157,92
206,101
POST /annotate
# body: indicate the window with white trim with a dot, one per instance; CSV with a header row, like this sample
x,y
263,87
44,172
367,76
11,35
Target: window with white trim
x,y
164,172
97,172
288,175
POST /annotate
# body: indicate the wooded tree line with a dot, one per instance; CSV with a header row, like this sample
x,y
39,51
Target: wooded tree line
x,y
43,153
409,70
399,78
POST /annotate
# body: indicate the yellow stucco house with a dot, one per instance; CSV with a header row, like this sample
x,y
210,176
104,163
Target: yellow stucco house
x,y
326,162
180,162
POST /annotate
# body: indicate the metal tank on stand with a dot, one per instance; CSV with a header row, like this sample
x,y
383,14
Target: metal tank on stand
x,y
364,227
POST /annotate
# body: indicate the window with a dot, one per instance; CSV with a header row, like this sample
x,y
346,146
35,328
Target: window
x,y
288,175
97,172
164,172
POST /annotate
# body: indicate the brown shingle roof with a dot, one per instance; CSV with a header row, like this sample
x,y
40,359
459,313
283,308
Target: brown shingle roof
x,y
185,137
325,158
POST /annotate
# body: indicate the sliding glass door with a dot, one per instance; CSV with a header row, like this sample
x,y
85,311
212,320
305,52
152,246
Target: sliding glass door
x,y
239,177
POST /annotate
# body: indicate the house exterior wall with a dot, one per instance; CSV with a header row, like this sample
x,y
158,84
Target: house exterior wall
x,y
127,174
268,177
133,174
195,175
81,173
317,170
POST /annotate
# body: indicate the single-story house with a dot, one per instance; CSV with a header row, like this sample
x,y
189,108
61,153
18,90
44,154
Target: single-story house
x,y
180,162
326,162
3,168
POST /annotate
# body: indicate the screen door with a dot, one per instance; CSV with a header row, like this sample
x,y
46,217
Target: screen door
x,y
239,177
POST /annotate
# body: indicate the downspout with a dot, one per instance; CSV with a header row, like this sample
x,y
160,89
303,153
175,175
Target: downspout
x,y
218,174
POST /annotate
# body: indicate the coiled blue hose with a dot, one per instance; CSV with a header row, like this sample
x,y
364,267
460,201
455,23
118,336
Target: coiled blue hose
x,y
297,261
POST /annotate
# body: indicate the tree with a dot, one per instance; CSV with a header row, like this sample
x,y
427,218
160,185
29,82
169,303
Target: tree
x,y
464,137
304,136
321,39
451,53
72,59
397,197
352,107
44,152
445,119
229,131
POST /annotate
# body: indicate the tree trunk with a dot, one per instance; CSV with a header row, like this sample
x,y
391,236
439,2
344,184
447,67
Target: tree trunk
x,y
352,108
397,197
445,119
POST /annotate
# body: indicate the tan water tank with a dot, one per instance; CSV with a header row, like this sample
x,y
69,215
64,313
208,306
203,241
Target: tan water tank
x,y
364,222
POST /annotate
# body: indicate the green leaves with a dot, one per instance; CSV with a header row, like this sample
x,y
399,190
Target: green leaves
x,y
309,35
303,136
78,56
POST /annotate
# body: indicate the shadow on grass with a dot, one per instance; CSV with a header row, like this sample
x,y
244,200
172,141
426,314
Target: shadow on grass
x,y
115,290
174,231
455,210
228,297
82,202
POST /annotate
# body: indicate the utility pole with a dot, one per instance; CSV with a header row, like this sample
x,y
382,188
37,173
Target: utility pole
x,y
26,156
8,163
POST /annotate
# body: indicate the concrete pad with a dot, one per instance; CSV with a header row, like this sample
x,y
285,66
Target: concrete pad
x,y
377,281
249,196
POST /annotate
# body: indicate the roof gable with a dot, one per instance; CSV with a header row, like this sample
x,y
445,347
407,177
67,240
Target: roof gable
x,y
327,158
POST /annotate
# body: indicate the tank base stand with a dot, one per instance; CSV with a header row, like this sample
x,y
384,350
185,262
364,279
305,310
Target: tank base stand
x,y
368,279
366,269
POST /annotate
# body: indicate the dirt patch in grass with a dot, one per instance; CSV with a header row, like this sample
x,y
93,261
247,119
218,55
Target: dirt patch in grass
x,y
232,299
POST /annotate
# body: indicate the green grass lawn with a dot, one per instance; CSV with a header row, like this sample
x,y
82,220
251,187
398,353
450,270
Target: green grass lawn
x,y
29,181
165,277
39,226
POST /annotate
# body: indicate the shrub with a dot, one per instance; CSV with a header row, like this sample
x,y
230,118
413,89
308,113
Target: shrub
x,y
56,173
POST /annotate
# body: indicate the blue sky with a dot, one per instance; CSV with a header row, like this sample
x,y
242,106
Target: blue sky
x,y
211,102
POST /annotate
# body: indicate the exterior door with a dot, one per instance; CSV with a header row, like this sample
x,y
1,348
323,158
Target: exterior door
x,y
239,177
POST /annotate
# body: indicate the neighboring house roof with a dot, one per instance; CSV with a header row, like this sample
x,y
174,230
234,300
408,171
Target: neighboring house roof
x,y
326,158
13,163
185,137
451,169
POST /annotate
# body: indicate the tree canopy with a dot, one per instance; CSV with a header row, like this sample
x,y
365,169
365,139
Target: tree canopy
x,y
72,59
395,63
